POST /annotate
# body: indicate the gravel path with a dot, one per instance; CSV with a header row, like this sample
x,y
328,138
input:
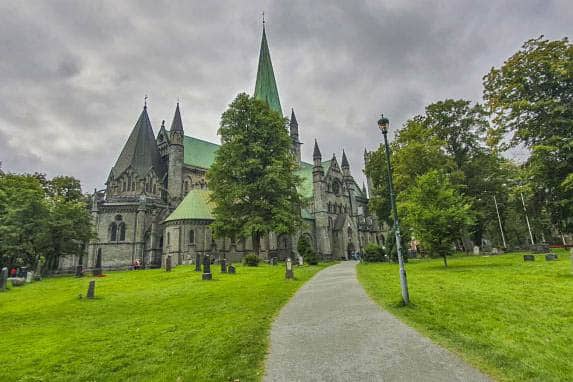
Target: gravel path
x,y
332,331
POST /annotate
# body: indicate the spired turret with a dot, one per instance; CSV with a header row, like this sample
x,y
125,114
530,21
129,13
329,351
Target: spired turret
x,y
293,126
266,86
317,169
176,152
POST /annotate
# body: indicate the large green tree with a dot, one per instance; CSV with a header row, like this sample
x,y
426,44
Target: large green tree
x,y
531,98
253,180
436,212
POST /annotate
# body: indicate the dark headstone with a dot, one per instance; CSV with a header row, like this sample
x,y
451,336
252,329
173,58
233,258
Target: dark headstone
x,y
207,268
168,264
224,265
3,279
197,263
97,270
232,269
528,258
91,289
274,261
17,281
79,270
550,257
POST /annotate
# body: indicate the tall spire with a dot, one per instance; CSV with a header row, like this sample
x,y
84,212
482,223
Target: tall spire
x,y
266,86
293,125
344,163
316,154
177,124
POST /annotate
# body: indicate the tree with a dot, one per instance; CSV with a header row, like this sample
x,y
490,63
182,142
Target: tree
x,y
304,249
23,220
531,98
253,179
436,212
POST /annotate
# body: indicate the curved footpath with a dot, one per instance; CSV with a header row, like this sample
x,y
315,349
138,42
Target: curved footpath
x,y
332,331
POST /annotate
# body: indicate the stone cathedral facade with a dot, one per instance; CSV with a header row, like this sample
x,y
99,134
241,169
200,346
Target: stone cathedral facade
x,y
156,200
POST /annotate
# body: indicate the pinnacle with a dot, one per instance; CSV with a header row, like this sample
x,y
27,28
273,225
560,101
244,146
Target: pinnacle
x,y
316,153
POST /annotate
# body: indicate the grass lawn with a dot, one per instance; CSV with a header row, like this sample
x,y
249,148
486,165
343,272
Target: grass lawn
x,y
144,325
511,319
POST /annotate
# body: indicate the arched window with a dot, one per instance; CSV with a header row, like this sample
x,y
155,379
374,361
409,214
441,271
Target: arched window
x,y
129,183
168,239
155,188
186,187
191,236
123,186
122,231
349,232
330,223
113,232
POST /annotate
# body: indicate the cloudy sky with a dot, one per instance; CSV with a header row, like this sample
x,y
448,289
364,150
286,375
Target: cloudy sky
x,y
73,74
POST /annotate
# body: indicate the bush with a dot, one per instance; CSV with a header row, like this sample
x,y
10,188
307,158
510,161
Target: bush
x,y
251,260
373,253
305,250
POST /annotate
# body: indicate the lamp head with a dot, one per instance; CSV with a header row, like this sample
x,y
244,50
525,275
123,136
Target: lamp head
x,y
383,123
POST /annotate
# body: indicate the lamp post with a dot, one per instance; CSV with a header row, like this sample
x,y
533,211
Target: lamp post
x,y
383,126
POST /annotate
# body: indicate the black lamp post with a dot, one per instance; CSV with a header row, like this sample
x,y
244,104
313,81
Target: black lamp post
x,y
383,125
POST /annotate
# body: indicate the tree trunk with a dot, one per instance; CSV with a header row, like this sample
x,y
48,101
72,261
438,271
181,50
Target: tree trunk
x,y
257,243
445,261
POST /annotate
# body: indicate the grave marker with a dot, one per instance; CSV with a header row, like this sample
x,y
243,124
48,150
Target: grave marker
x,y
207,268
224,265
550,257
168,264
528,258
3,279
91,289
288,264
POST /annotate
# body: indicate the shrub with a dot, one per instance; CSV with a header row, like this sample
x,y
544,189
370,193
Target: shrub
x,y
305,250
251,260
373,253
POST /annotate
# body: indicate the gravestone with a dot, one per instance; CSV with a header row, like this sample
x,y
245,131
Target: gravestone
x,y
224,265
528,258
79,270
3,279
289,273
29,276
232,269
300,260
550,257
197,263
274,261
91,289
97,270
168,264
476,250
207,268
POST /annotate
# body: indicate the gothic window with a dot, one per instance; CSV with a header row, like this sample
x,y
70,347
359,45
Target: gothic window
x,y
330,223
123,185
186,186
191,236
168,239
155,188
113,232
336,187
133,186
129,183
122,231
349,233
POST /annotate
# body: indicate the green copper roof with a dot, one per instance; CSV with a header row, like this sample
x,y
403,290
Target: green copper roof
x,y
266,86
196,205
199,153
305,172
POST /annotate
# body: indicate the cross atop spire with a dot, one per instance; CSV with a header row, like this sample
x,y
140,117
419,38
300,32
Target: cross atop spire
x,y
266,86
145,102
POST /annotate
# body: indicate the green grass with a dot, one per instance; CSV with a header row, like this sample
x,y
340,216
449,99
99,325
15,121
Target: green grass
x,y
144,325
511,319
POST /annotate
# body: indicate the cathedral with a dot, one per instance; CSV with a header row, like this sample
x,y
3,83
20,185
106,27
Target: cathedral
x,y
156,203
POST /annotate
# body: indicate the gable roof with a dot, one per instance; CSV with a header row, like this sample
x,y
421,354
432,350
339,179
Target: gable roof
x,y
199,153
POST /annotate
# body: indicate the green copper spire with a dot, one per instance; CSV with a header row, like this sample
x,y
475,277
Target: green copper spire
x,y
266,87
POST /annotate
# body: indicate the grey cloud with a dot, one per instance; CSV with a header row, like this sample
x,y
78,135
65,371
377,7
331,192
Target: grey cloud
x,y
73,74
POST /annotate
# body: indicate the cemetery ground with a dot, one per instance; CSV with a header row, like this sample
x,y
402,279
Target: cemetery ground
x,y
144,325
510,318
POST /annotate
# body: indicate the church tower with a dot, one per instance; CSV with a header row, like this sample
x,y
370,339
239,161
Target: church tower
x,y
175,168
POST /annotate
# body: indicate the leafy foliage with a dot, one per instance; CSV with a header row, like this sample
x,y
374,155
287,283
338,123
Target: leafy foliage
x,y
304,249
436,213
373,253
252,180
531,96
41,219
